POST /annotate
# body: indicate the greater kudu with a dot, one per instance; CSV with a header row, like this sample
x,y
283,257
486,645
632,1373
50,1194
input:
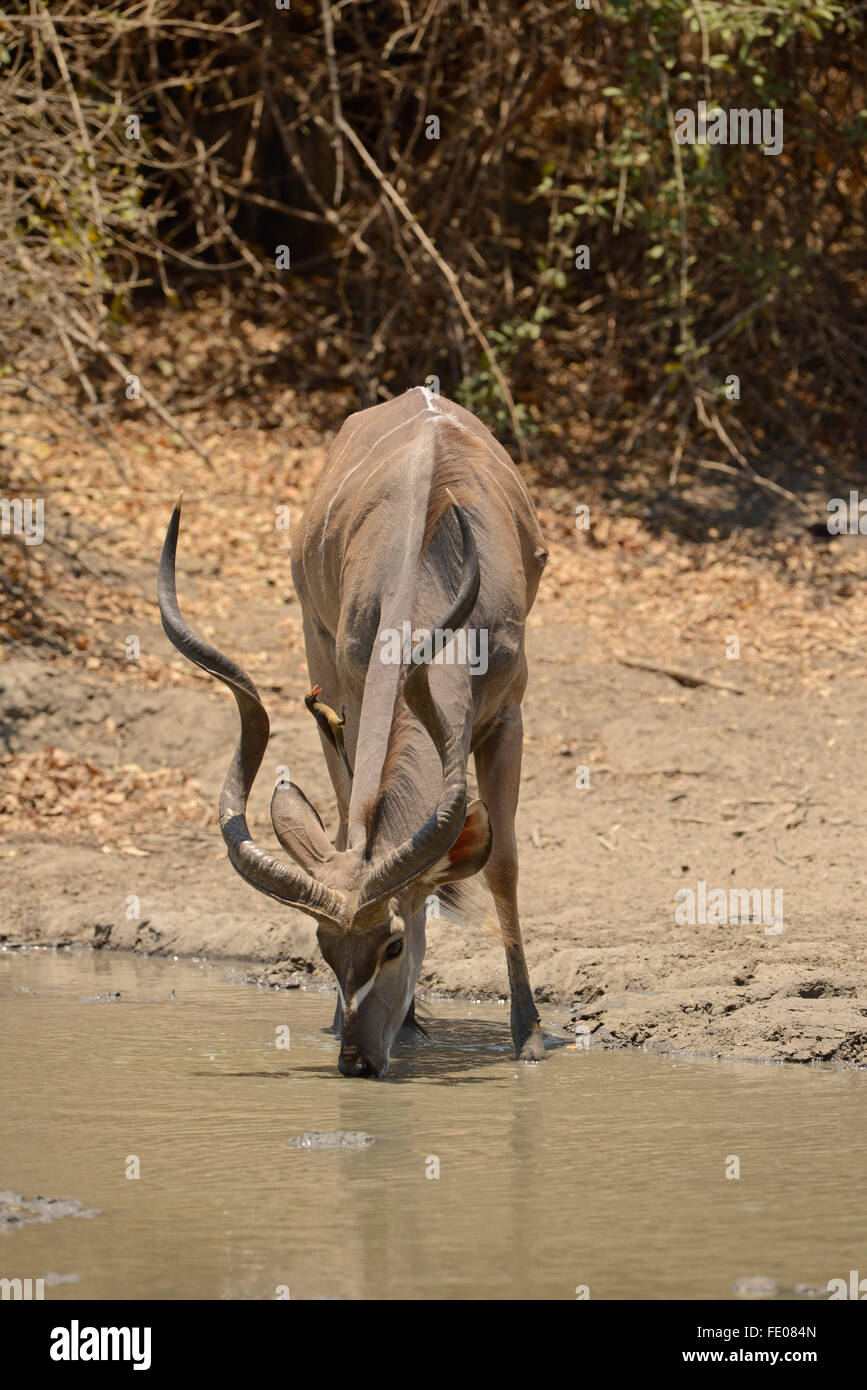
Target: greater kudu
x,y
419,520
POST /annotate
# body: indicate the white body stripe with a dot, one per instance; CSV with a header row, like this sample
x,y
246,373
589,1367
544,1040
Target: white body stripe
x,y
348,475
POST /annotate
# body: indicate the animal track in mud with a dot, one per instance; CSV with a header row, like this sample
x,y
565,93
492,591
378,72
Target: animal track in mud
x,y
823,989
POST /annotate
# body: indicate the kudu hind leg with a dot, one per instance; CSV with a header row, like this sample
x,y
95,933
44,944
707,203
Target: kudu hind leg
x,y
498,770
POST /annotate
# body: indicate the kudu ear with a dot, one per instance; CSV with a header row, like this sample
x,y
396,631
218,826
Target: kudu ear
x,y
298,827
470,851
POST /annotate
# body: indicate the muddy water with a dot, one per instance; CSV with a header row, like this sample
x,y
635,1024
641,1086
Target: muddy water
x,y
593,1169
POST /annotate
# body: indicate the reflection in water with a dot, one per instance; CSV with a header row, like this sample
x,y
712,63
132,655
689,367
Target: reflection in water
x,y
488,1177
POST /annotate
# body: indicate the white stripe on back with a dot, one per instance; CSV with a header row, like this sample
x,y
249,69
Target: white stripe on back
x,y
348,475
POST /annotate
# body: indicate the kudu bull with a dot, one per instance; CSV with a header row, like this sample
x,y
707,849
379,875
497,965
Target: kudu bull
x,y
419,521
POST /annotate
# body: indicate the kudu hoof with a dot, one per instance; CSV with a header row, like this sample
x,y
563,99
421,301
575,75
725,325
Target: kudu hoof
x,y
533,1049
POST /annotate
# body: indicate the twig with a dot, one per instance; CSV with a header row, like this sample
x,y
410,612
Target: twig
x,y
117,460
682,677
87,148
97,345
698,820
786,807
447,273
650,771
334,87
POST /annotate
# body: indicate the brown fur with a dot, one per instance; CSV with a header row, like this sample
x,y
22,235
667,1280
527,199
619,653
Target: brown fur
x,y
449,484
382,546
450,476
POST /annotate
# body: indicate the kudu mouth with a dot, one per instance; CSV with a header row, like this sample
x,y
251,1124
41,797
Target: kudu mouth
x,y
290,883
352,1063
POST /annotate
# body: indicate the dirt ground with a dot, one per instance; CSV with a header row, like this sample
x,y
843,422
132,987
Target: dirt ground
x,y
115,749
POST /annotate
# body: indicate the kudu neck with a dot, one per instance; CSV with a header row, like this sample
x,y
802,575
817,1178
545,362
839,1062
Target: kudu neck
x,y
397,784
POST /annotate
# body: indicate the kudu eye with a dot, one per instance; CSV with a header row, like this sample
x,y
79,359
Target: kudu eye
x,y
394,948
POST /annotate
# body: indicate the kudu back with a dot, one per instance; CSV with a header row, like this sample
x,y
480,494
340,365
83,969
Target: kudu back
x,y
416,564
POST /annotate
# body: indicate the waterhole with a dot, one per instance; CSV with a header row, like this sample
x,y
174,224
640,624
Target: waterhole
x,y
463,1174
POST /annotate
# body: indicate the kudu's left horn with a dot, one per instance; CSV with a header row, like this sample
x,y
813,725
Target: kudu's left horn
x,y
286,882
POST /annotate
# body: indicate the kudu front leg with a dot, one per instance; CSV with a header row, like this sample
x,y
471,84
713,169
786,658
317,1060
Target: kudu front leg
x,y
498,769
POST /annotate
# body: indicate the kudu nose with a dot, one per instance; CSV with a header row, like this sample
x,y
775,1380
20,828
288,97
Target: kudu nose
x,y
351,1063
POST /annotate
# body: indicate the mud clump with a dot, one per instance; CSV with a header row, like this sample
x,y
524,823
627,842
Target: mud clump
x,y
19,1211
755,1286
316,1139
